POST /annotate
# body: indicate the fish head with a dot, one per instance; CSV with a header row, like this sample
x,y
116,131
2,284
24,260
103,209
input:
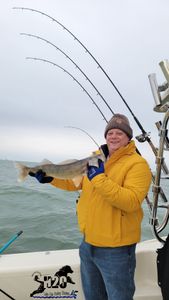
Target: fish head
x,y
93,161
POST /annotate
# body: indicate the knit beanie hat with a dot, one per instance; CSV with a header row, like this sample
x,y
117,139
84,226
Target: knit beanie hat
x,y
121,122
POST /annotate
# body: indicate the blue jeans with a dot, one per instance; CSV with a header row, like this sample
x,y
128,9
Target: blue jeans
x,y
107,273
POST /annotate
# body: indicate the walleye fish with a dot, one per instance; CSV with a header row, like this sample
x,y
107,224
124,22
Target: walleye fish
x,y
72,169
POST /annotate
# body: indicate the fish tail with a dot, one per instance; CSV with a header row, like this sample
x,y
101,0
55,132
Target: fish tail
x,y
23,171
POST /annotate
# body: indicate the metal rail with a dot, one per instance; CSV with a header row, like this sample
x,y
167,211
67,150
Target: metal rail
x,y
161,105
144,136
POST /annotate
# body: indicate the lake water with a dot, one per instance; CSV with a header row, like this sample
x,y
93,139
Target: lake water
x,y
46,214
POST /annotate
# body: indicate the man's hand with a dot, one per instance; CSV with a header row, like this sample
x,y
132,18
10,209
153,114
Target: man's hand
x,y
41,176
93,171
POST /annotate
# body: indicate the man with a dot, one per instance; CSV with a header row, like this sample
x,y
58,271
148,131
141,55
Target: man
x,y
110,214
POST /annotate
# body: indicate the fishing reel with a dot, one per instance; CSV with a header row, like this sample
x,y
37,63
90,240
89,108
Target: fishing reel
x,y
143,137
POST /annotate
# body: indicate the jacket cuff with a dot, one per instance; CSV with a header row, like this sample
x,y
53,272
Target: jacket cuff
x,y
98,179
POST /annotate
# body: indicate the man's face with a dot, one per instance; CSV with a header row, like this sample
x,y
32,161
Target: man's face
x,y
116,139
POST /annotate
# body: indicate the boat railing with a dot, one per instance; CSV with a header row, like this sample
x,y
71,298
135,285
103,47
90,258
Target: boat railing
x,y
161,98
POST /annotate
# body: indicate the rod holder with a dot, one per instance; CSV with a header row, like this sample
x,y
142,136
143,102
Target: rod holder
x,y
161,92
154,88
165,68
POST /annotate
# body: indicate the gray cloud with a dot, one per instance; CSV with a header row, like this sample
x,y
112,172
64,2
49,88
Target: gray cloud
x,y
129,39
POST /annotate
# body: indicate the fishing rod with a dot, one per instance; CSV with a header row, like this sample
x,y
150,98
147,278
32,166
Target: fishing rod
x,y
10,297
10,241
67,56
141,138
65,71
76,39
146,198
74,127
50,62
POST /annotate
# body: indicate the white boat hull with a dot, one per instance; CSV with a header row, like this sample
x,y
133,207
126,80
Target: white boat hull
x,y
56,275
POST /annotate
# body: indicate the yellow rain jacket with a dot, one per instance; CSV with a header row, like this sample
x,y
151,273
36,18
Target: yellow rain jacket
x,y
109,209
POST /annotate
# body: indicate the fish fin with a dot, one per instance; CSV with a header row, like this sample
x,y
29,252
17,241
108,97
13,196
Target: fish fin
x,y
23,171
69,161
96,152
77,180
102,155
45,161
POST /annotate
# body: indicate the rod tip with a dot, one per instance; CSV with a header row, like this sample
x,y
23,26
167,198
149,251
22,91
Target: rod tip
x,y
20,232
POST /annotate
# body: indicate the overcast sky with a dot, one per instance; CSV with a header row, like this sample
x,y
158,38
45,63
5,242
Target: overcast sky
x,y
128,38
